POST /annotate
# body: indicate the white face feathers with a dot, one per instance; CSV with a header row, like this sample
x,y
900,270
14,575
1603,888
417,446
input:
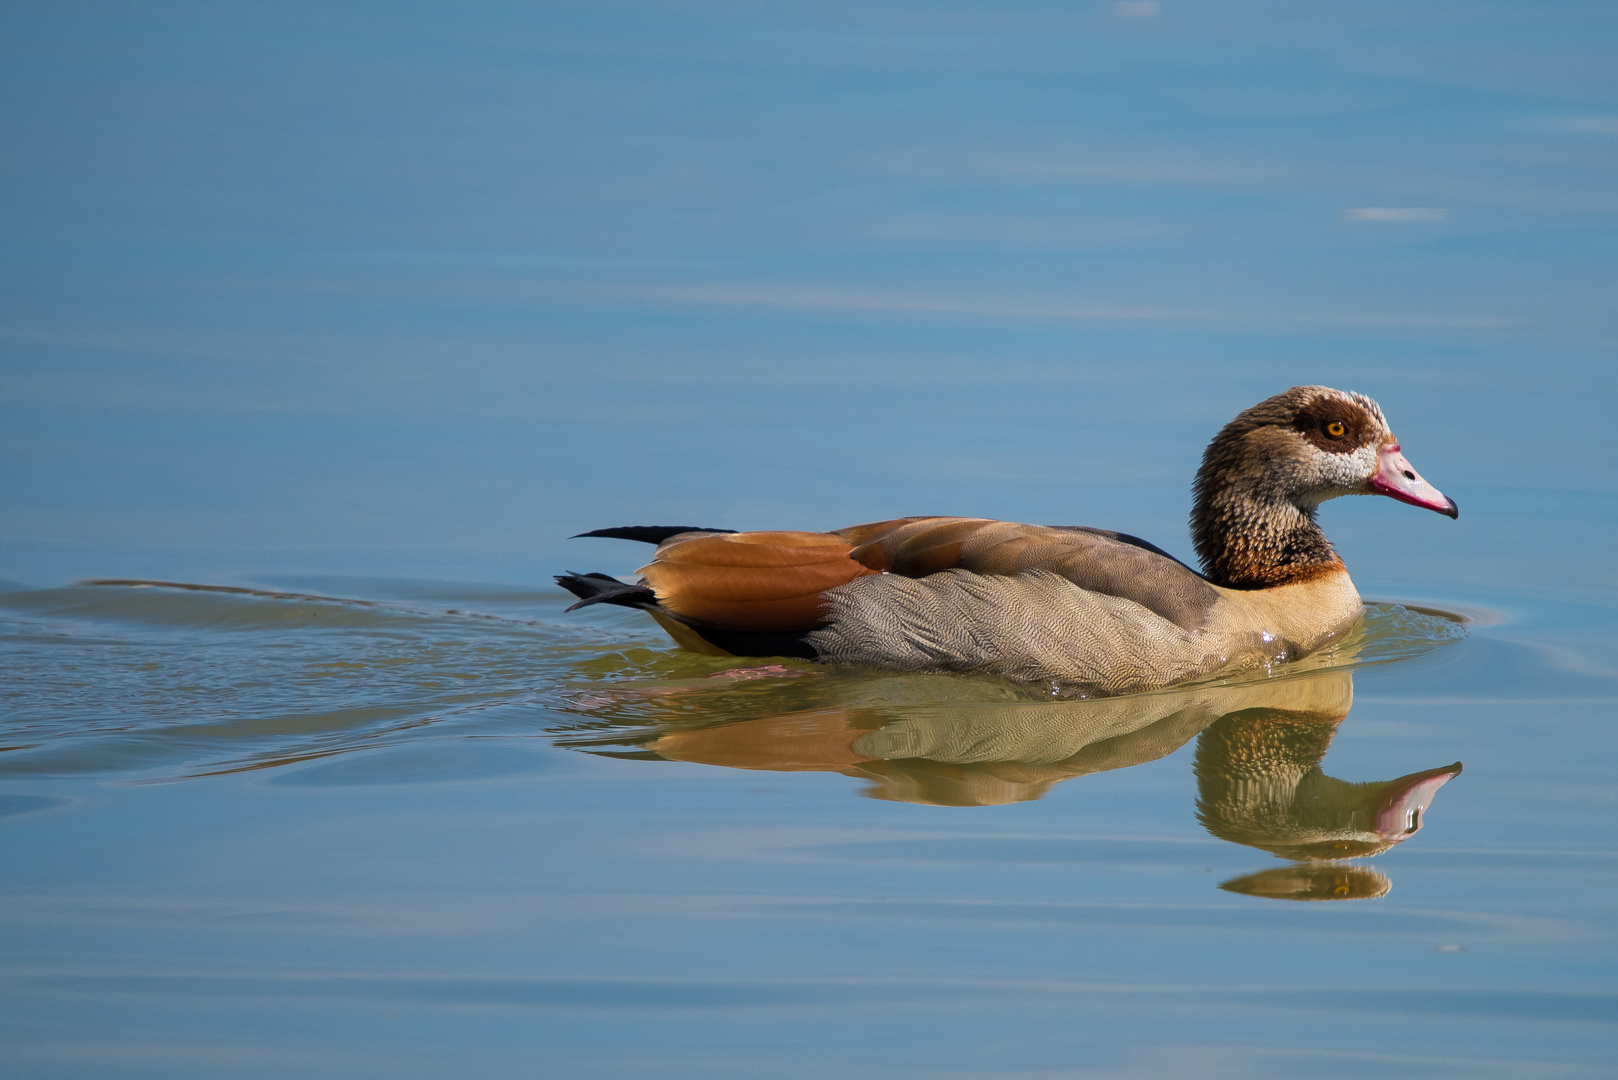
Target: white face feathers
x,y
1336,440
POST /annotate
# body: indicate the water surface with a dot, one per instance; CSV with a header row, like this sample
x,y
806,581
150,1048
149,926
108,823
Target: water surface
x,y
425,816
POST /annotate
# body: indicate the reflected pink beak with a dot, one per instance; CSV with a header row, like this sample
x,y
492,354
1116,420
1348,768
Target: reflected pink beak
x,y
1396,479
1407,799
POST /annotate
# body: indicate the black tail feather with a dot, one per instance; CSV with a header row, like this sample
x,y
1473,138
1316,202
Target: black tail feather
x,y
601,589
646,534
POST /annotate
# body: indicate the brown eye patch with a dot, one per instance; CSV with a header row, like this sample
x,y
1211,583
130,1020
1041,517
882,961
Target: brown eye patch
x,y
1336,426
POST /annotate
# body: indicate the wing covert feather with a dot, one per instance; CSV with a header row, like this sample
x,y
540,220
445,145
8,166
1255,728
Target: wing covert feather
x,y
1109,563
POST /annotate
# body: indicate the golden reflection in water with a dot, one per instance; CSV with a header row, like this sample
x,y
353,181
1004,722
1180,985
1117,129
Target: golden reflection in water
x,y
1260,745
1313,881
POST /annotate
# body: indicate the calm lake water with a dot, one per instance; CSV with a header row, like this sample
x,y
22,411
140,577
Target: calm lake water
x,y
324,326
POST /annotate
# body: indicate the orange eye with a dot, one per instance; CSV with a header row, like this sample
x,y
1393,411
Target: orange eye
x,y
1335,429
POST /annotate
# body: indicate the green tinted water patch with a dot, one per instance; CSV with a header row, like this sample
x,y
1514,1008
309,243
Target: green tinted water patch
x,y
177,680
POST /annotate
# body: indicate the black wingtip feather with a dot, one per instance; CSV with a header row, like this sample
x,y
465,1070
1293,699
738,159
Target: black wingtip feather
x,y
646,534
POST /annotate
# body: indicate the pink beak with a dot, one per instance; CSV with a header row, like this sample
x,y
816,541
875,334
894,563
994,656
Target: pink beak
x,y
1407,798
1396,479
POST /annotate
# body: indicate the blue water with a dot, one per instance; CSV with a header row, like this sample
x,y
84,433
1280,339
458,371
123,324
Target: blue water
x,y
360,311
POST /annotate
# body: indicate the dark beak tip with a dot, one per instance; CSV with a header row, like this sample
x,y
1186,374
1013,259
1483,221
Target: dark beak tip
x,y
1454,512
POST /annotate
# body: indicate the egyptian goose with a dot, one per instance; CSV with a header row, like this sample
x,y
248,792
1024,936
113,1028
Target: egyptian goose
x,y
1087,610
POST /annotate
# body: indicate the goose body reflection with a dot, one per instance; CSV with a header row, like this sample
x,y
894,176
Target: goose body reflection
x,y
970,742
990,753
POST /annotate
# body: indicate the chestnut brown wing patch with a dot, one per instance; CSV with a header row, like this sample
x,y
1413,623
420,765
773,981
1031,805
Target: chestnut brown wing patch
x,y
764,581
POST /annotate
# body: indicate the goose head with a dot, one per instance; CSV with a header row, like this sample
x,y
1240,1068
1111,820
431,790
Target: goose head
x,y
1267,471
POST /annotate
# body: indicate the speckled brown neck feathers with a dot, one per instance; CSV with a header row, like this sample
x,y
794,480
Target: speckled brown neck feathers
x,y
1256,493
1247,544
